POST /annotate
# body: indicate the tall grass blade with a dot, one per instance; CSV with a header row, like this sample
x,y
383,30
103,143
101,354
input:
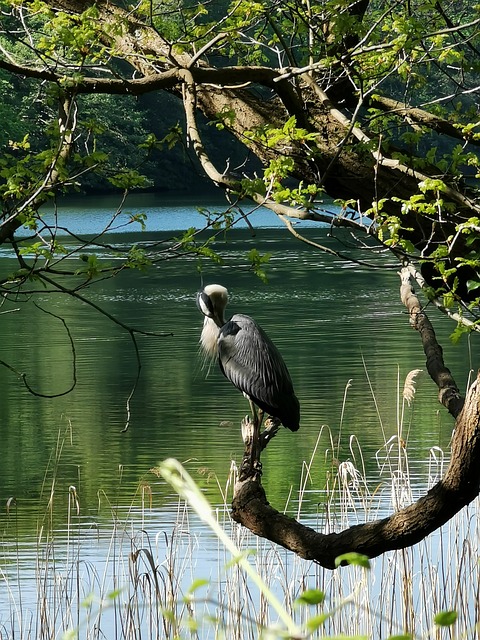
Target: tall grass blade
x,y
176,475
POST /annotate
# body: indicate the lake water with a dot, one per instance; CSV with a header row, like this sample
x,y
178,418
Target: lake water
x,y
67,465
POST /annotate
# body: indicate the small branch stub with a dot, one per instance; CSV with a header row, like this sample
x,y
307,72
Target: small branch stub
x,y
251,466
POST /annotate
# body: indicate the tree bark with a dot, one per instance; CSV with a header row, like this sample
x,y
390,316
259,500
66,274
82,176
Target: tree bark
x,y
459,486
419,117
449,394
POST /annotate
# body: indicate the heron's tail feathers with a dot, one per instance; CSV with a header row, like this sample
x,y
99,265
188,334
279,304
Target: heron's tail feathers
x,y
293,427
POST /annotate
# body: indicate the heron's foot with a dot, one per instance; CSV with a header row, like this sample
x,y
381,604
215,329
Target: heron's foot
x,y
272,426
272,422
248,430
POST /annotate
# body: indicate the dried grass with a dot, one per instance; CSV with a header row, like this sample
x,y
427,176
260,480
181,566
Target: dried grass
x,y
153,582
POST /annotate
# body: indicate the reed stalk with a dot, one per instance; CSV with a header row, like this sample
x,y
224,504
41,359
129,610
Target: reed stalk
x,y
188,580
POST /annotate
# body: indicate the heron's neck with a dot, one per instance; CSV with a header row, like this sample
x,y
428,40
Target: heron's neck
x,y
209,337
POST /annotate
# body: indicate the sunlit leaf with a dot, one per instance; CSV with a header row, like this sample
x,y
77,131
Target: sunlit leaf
x,y
445,618
197,584
353,558
311,597
317,621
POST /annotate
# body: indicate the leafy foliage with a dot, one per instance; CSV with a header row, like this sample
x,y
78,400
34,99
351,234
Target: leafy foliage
x,y
373,103
446,618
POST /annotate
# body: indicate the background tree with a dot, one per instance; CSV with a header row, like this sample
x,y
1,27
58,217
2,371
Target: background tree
x,y
371,103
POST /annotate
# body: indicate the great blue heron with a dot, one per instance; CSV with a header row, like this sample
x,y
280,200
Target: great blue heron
x,y
248,358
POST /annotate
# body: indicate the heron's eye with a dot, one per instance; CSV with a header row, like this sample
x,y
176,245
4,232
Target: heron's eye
x,y
204,304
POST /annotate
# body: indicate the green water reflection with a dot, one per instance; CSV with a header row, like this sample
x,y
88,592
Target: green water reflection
x,y
333,324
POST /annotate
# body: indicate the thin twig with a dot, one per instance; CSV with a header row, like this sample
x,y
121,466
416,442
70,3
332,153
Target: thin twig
x,y
23,376
130,330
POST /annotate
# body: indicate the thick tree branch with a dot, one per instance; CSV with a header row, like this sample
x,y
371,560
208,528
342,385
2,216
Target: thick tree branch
x,y
382,161
449,394
419,116
350,177
222,77
457,317
360,171
459,486
227,182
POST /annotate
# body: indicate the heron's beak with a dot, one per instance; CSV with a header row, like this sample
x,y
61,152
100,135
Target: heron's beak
x,y
203,304
218,319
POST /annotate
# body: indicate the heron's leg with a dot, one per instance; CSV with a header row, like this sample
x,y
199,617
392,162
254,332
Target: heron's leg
x,y
251,464
253,410
257,414
261,414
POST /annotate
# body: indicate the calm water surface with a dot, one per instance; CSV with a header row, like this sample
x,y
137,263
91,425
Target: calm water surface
x,y
341,328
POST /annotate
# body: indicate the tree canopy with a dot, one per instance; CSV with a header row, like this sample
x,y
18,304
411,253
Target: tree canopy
x,y
374,104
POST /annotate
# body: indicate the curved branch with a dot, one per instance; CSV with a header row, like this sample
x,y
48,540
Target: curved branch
x,y
322,247
457,317
130,330
449,394
223,179
193,135
23,376
419,116
459,486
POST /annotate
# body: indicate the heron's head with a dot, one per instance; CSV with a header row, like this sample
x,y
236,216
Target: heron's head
x,y
212,302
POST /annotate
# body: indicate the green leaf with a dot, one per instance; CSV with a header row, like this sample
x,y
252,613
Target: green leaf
x,y
431,184
472,285
459,331
141,218
448,300
445,618
317,621
257,261
128,179
138,259
196,584
311,597
353,558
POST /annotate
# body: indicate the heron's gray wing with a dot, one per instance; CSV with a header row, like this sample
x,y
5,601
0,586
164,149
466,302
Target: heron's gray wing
x,y
250,360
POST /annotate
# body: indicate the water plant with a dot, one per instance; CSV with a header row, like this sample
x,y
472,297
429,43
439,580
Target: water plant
x,y
134,571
